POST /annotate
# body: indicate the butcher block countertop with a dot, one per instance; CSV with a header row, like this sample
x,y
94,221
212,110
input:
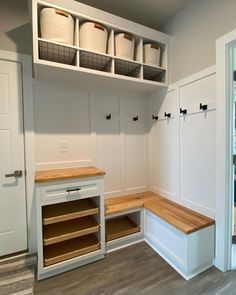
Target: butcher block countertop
x,y
67,173
182,218
129,202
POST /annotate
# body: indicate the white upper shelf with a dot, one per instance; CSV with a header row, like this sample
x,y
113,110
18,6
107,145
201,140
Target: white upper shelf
x,y
89,64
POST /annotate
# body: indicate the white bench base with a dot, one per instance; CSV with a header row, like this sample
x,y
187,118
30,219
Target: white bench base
x,y
188,254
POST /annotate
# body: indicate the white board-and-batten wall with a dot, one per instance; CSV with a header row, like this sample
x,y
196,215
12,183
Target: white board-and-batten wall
x,y
174,157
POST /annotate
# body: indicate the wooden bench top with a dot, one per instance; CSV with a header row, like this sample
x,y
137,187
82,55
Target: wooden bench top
x,y
67,173
124,203
182,218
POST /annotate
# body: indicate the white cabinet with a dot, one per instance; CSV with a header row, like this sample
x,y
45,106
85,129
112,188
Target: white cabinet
x,y
197,145
84,62
164,145
70,224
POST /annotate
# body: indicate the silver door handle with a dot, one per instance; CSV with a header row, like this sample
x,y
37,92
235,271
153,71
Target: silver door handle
x,y
16,173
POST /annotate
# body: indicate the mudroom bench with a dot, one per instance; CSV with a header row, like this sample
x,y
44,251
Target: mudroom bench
x,y
183,237
75,226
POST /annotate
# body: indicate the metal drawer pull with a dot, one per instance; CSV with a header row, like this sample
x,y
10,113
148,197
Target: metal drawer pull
x,y
16,173
70,190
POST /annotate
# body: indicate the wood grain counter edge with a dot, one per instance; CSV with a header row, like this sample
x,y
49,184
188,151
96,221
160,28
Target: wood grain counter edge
x,y
67,173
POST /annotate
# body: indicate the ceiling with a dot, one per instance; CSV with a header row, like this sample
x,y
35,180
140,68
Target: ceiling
x,y
151,13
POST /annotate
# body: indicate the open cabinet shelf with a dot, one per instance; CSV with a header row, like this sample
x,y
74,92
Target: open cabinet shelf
x,y
68,210
70,249
70,229
120,227
95,61
47,52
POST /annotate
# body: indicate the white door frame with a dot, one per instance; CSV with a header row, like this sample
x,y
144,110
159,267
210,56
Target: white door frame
x,y
224,153
28,120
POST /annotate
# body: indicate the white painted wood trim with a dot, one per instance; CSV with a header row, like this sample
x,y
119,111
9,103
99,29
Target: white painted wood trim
x,y
26,62
224,212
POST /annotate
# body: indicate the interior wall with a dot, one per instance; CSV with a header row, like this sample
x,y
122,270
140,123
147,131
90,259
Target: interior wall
x,y
72,130
194,32
15,29
182,147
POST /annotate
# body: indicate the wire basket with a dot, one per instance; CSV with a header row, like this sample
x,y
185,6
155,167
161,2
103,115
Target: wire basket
x,y
57,53
95,61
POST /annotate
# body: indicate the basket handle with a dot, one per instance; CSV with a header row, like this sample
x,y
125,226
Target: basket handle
x,y
128,36
62,12
98,26
155,46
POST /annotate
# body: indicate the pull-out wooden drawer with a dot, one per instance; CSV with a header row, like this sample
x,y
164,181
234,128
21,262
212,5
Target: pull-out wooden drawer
x,y
62,231
70,249
68,210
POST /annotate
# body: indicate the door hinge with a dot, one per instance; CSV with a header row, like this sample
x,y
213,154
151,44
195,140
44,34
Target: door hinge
x,y
234,75
234,239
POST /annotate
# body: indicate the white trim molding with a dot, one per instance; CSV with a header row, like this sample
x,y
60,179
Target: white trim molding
x,y
224,209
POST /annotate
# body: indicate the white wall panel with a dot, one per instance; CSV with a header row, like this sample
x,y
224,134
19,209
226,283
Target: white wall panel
x,y
200,91
62,114
109,154
135,156
77,116
164,145
198,161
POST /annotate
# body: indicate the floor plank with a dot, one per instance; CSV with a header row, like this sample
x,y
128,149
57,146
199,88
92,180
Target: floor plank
x,y
136,270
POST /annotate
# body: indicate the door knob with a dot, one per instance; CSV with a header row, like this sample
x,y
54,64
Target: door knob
x,y
16,173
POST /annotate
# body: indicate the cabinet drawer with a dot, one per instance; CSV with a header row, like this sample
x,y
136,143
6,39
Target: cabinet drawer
x,y
70,191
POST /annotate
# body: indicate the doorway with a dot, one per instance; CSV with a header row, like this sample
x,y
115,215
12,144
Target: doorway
x,y
13,216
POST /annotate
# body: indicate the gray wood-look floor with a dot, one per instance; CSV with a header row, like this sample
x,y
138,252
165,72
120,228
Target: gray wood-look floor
x,y
135,270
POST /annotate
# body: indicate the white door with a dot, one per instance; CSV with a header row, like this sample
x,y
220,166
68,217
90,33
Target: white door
x,y
13,226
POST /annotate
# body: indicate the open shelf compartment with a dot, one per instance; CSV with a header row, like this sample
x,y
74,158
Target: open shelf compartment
x,y
118,227
70,249
127,68
69,210
95,61
55,52
62,231
152,73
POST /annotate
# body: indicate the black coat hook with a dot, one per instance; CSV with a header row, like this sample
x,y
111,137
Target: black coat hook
x,y
108,117
183,111
167,115
154,117
203,107
135,118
